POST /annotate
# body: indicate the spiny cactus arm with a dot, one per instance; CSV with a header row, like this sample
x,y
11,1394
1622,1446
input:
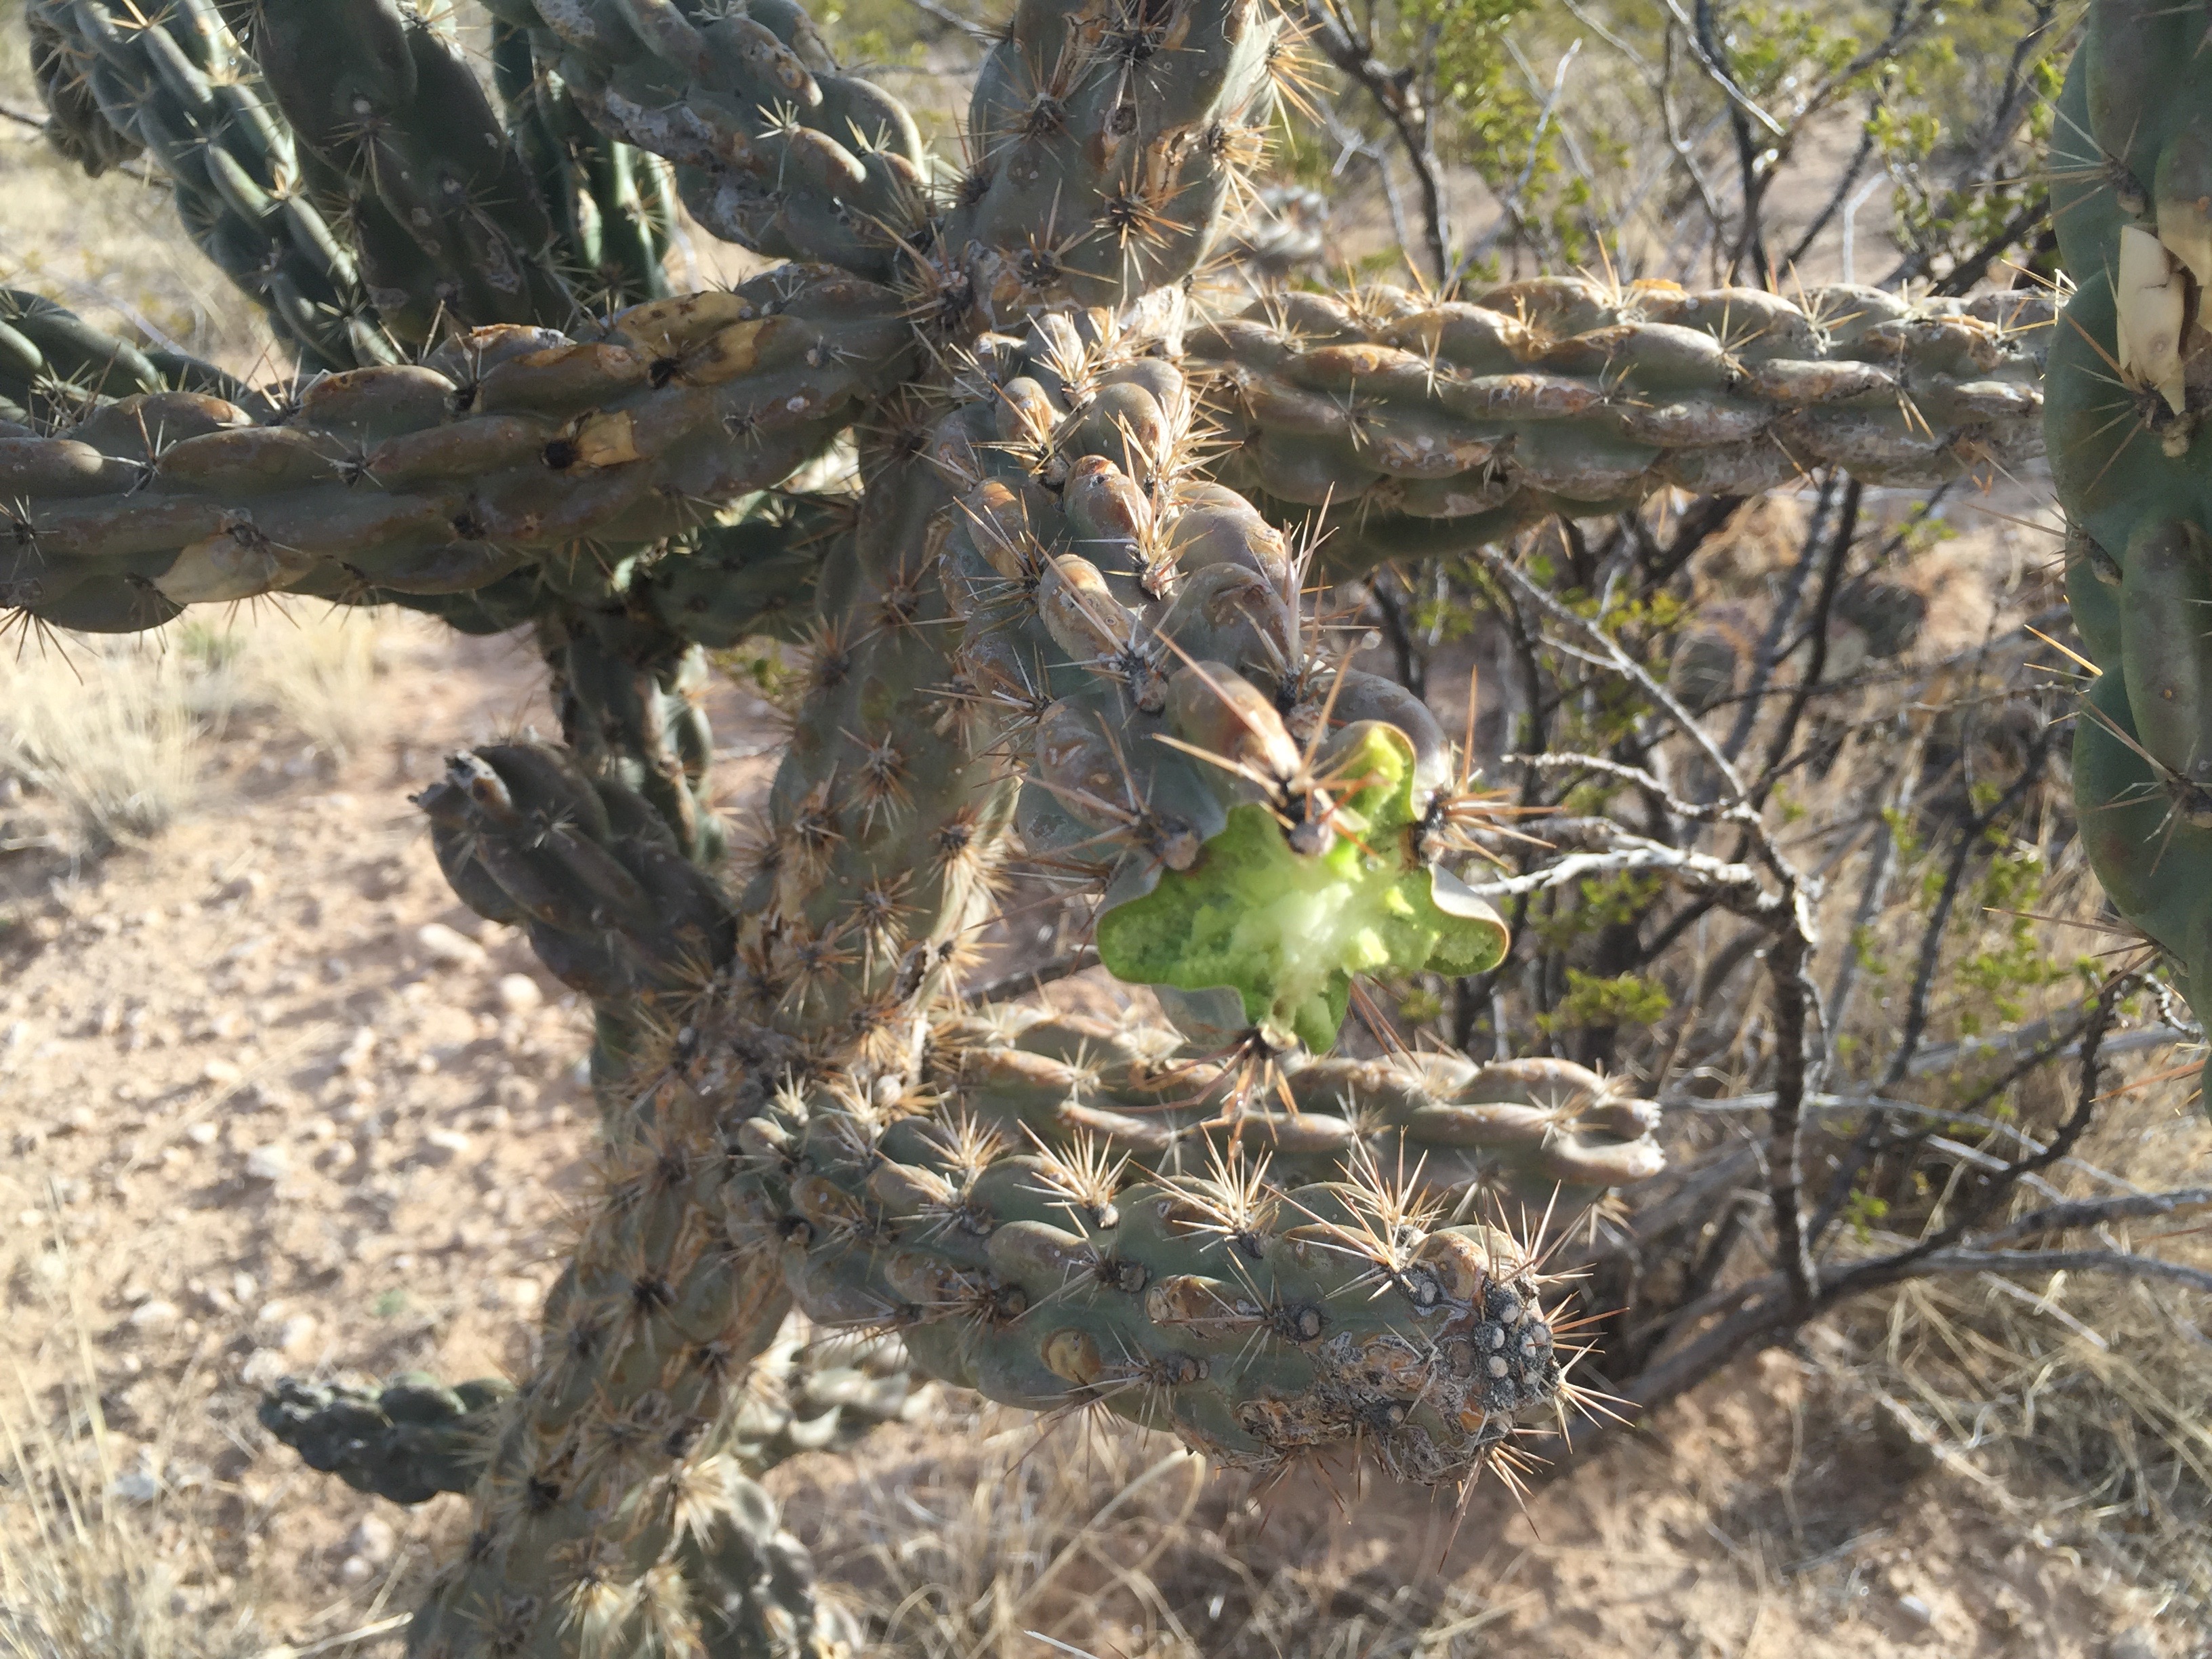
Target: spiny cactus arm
x,y
1522,1133
612,206
174,82
2130,382
406,1442
445,219
509,444
753,579
414,1438
628,672
56,368
627,691
1262,824
1259,1323
884,821
776,149
75,124
1103,147
1424,427
613,903
606,1493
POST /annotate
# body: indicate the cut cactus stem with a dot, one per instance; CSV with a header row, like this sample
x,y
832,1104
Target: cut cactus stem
x,y
1287,927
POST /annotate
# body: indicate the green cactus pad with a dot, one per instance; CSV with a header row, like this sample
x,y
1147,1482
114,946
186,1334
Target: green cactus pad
x,y
1288,932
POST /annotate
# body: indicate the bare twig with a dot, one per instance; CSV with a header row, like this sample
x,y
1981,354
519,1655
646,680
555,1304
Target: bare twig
x,y
2099,1212
967,25
1716,73
1786,1140
1394,95
1608,649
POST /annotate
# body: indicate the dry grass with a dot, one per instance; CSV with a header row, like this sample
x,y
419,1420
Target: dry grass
x,y
117,735
80,1575
1101,1538
313,668
112,732
2076,1403
92,1537
111,1548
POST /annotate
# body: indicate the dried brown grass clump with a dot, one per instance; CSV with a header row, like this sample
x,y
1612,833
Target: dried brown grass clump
x,y
112,1549
80,1577
2075,1403
116,735
314,669
102,1556
113,735
990,1541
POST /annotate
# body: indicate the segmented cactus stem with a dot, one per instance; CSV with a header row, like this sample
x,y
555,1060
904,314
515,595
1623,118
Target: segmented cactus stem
x,y
506,447
175,83
1425,426
2131,380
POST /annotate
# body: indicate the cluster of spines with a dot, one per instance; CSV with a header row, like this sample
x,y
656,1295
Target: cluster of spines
x,y
1262,1321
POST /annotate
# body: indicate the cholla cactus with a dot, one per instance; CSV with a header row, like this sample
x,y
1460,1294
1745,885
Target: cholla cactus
x,y
1038,615
2132,194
